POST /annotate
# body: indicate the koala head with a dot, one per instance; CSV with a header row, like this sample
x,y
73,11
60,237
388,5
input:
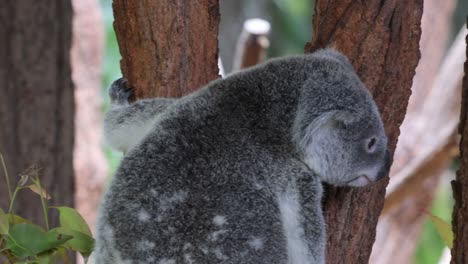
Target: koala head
x,y
347,150
338,129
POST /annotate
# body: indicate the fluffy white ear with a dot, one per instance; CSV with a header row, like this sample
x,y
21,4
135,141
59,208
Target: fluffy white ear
x,y
321,126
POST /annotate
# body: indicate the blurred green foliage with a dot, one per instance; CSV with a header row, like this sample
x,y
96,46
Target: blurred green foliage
x,y
431,244
291,26
110,72
111,63
291,29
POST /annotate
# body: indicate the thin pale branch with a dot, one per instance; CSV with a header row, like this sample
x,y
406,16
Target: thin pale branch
x,y
252,44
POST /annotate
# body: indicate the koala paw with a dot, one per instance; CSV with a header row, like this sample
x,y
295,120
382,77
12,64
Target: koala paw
x,y
120,91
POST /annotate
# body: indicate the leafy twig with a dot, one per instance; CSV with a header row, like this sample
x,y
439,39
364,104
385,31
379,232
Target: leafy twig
x,y
7,179
43,202
12,200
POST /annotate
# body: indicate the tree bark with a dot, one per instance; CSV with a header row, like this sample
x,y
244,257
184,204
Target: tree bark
x,y
440,115
421,157
36,105
168,47
381,40
460,185
86,57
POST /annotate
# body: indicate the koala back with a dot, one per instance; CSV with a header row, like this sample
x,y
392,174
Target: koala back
x,y
232,173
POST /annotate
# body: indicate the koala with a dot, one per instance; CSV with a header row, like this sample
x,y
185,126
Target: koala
x,y
233,172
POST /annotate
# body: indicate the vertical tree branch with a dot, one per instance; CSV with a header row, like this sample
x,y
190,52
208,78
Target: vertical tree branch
x,y
460,185
168,47
252,44
421,156
381,40
36,101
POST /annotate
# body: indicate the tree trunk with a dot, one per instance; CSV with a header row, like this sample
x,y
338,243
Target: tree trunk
x,y
168,47
402,219
381,40
86,56
460,185
421,157
36,105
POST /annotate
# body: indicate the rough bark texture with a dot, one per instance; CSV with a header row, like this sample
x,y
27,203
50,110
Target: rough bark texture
x,y
381,40
460,185
86,59
421,157
168,47
440,115
36,102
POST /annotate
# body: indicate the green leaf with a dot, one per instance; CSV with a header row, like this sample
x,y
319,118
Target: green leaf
x,y
62,254
80,242
16,219
46,259
72,220
4,225
443,228
26,240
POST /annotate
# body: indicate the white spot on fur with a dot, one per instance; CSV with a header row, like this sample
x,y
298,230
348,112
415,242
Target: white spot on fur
x,y
143,215
204,250
168,202
153,192
219,220
219,254
159,218
187,246
216,234
258,186
166,261
255,243
188,258
296,246
174,240
145,245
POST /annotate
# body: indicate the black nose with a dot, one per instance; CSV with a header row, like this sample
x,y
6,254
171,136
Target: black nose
x,y
386,167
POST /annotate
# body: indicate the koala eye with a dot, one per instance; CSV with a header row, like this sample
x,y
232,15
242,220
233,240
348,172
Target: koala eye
x,y
371,144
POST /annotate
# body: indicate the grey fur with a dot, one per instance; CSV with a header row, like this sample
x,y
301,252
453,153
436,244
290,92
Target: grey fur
x,y
126,124
232,173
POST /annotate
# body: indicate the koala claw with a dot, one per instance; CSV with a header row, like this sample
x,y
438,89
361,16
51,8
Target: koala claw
x,y
120,91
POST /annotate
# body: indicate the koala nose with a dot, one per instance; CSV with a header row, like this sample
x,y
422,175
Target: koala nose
x,y
384,170
371,145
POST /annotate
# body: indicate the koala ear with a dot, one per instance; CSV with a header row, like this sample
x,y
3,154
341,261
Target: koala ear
x,y
341,119
331,52
321,126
